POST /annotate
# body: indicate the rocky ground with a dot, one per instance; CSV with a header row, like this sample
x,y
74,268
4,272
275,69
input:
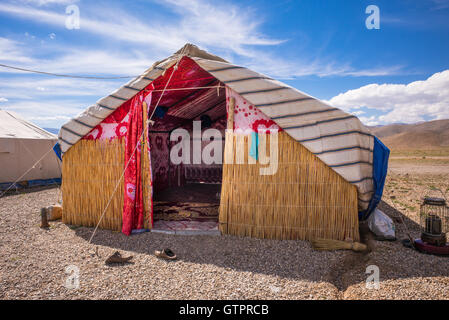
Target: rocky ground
x,y
34,262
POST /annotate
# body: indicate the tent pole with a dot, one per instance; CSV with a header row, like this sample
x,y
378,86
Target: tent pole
x,y
230,125
145,176
229,143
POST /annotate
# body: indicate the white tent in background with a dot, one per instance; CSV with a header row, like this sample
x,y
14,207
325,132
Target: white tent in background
x,y
22,144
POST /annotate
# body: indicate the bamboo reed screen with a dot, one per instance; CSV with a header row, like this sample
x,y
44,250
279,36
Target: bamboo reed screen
x,y
304,199
90,171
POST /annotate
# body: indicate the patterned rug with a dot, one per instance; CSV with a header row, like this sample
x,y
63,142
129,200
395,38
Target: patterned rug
x,y
186,211
185,225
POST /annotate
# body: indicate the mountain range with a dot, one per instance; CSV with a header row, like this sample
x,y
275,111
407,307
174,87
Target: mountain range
x,y
429,135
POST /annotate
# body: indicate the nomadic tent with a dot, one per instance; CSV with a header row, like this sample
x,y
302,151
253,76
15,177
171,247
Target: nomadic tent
x,y
319,179
22,145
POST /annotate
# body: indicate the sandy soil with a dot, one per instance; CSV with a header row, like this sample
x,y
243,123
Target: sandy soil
x,y
33,261
413,165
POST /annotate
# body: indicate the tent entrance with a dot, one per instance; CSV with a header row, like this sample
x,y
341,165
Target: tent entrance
x,y
186,196
187,193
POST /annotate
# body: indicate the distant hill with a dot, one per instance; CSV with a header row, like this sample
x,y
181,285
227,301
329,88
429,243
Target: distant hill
x,y
427,135
52,130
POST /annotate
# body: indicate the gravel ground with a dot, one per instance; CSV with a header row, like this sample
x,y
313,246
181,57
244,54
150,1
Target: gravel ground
x,y
34,261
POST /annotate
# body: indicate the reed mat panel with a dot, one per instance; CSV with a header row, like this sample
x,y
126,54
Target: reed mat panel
x,y
304,199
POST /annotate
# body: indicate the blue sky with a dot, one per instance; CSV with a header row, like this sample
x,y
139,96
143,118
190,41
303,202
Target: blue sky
x,y
398,73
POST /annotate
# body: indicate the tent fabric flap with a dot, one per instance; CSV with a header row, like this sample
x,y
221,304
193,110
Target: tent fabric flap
x,y
380,169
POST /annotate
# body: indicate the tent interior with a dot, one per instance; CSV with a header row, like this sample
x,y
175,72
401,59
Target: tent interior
x,y
186,191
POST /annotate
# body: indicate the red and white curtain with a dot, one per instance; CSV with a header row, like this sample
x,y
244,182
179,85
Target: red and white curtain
x,y
127,122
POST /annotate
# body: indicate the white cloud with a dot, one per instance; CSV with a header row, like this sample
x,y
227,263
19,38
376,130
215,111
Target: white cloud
x,y
200,22
33,14
225,29
3,99
49,118
45,88
219,25
98,62
46,113
52,101
407,103
11,50
49,2
370,121
81,61
281,69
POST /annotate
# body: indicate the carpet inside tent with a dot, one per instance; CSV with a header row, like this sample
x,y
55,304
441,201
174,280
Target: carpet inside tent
x,y
192,207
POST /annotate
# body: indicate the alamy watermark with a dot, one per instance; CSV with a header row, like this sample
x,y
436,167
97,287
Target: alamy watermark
x,y
372,282
212,153
72,20
373,20
72,282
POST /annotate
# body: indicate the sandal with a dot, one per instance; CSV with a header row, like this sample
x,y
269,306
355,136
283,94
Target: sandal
x,y
165,254
117,258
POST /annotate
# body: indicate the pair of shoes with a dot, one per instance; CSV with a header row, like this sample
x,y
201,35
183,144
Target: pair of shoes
x,y
117,258
165,254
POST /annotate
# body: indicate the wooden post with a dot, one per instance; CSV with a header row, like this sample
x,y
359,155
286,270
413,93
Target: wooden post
x,y
229,139
145,163
231,108
145,118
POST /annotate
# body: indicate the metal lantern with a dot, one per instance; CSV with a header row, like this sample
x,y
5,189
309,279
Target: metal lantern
x,y
434,219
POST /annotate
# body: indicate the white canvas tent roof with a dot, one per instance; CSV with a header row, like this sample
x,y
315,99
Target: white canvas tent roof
x,y
339,139
14,126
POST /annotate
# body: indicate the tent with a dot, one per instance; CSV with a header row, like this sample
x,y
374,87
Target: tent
x,y
22,145
324,177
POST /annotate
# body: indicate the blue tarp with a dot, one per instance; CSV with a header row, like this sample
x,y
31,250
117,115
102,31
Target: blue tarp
x,y
57,150
29,183
380,167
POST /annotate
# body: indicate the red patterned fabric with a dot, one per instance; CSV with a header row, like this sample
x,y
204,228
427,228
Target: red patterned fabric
x,y
113,127
247,118
188,74
133,207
